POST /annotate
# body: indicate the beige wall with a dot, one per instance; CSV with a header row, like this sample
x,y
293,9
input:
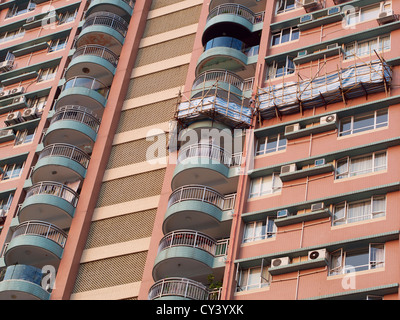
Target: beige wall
x,y
114,257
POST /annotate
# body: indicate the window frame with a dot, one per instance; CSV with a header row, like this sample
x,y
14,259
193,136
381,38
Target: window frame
x,y
245,274
10,169
275,180
287,65
24,136
268,230
283,4
347,160
351,53
374,114
356,16
47,74
345,206
280,34
265,140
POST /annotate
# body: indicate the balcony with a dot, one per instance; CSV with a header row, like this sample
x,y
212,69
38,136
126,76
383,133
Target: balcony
x,y
75,125
181,289
223,79
187,253
232,19
49,201
22,282
227,53
35,243
93,61
199,207
62,163
84,91
205,164
104,29
118,7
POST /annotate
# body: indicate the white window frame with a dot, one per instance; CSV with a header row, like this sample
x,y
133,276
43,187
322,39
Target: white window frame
x,y
24,136
67,16
276,185
289,68
5,203
10,169
352,49
47,74
268,230
356,17
38,102
345,219
55,45
373,114
341,255
283,4
264,140
14,11
280,35
260,272
347,173
12,34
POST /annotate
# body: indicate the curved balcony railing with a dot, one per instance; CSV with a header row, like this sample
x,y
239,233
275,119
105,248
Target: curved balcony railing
x,y
42,229
237,10
66,151
181,287
222,76
55,189
194,239
210,151
98,51
230,42
107,19
78,114
204,194
88,83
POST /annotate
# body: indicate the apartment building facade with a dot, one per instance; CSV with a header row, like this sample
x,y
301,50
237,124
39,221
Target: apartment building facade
x,y
199,150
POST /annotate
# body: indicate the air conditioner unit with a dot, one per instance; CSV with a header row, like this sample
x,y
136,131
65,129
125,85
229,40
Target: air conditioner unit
x,y
319,162
13,118
332,46
332,118
30,19
306,18
317,254
288,168
6,65
282,213
317,206
333,10
4,94
16,91
278,262
292,128
3,213
309,3
4,133
20,99
30,113
386,16
302,53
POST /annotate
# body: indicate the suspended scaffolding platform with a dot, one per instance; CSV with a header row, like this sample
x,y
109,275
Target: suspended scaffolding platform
x,y
215,104
360,79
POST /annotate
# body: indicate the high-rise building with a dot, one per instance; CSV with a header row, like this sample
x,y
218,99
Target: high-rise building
x,y
201,150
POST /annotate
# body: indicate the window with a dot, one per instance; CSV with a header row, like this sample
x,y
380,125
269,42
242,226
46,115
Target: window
x,y
11,35
366,258
38,102
348,212
350,167
11,171
253,278
285,5
285,35
367,47
363,122
270,144
367,13
20,8
265,185
47,74
67,16
259,230
280,68
5,202
58,44
24,136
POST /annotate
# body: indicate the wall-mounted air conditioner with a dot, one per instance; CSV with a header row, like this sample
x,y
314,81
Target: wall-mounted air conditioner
x,y
4,94
292,128
332,118
16,91
317,206
386,16
302,53
30,113
319,162
13,118
306,18
282,213
6,65
288,168
317,254
278,262
333,10
332,46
